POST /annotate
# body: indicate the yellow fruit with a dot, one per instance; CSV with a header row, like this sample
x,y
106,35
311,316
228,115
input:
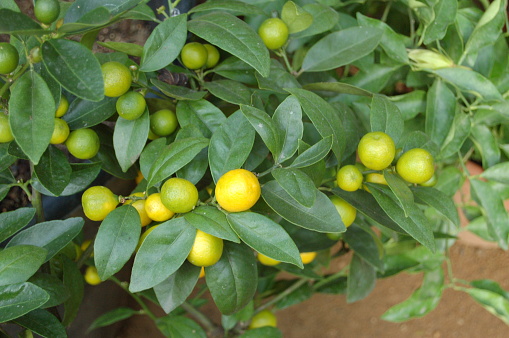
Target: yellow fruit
x,y
5,129
117,78
83,143
156,210
263,318
98,202
349,178
139,205
139,177
206,250
212,56
144,235
237,190
163,122
416,166
179,195
345,210
91,276
374,178
307,257
194,55
376,150
202,272
60,133
267,260
274,33
63,106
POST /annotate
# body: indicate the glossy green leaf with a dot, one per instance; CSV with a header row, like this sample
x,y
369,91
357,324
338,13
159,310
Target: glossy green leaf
x,y
42,323
201,114
440,111
212,221
79,8
418,139
410,104
230,145
229,91
124,47
233,7
459,132
82,175
363,244
10,4
51,235
129,138
73,280
263,332
278,79
18,23
162,252
470,81
297,184
341,48
178,92
422,301
84,114
235,69
337,87
112,317
394,264
19,299
31,115
498,173
233,280
53,170
400,190
116,240
492,302
179,327
322,216
19,263
487,144
438,200
97,17
233,36
175,289
324,18
288,120
196,169
299,295
265,127
444,15
296,18
313,154
490,285
386,117
174,157
74,67
6,159
57,291
13,221
150,154
361,279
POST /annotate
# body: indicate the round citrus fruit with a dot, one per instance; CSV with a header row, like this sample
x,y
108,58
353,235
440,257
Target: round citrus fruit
x,y
345,210
376,150
334,236
237,190
212,56
5,129
117,78
307,257
46,11
431,182
194,55
179,195
63,105
274,33
163,122
60,133
91,276
206,250
349,178
265,260
263,318
156,210
9,58
416,166
152,136
83,143
98,202
374,178
139,205
131,105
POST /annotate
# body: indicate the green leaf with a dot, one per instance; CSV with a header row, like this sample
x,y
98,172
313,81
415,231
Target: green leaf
x,y
52,235
470,81
230,145
233,7
230,91
459,132
337,87
438,200
19,263
487,144
297,184
410,104
234,69
299,295
487,284
79,8
140,12
444,15
492,302
386,117
363,244
6,159
58,293
313,154
498,173
149,155
422,301
74,67
394,264
53,170
233,36
361,279
13,221
288,120
265,236
324,19
19,299
322,216
233,280
178,92
174,157
295,17
18,23
265,127
278,79
202,114
73,280
162,252
10,4
116,240
175,289
84,114
401,190
82,175
495,212
123,47
341,48
179,327
112,317
31,115
43,323
91,21
440,108
418,139
129,138
263,332
324,118
212,221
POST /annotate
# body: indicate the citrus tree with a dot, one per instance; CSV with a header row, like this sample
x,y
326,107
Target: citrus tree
x,y
304,130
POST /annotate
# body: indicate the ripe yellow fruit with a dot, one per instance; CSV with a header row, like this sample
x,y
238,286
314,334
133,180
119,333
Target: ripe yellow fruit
x,y
349,178
374,178
263,318
345,210
117,78
60,133
307,257
91,276
63,106
139,205
156,210
237,190
5,129
376,150
206,250
274,33
179,195
416,166
267,260
98,202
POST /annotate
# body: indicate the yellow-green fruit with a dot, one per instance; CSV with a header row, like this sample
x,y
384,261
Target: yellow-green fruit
x,y
376,150
9,58
179,195
91,276
206,250
60,133
98,202
117,78
5,129
274,33
349,178
265,260
83,143
263,318
156,210
212,56
46,11
416,166
63,106
163,122
345,210
131,105
194,55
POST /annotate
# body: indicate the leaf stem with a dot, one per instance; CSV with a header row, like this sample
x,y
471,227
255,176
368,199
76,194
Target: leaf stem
x,y
125,287
282,53
209,326
268,171
36,199
283,294
88,251
386,12
10,81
